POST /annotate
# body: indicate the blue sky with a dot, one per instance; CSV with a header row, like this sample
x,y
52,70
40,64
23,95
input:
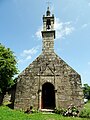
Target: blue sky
x,y
21,22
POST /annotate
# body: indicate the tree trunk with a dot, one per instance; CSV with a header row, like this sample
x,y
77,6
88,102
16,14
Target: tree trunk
x,y
1,98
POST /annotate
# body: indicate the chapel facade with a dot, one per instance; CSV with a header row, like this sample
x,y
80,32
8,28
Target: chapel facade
x,y
48,82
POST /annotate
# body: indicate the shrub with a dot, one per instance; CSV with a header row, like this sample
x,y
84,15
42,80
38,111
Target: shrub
x,y
31,110
60,111
70,111
84,114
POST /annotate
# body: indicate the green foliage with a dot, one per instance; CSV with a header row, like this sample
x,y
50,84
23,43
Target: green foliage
x,y
86,91
85,112
31,110
7,68
60,111
70,111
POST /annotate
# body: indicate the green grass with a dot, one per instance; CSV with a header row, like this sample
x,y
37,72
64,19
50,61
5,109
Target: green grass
x,y
87,106
8,114
86,111
52,117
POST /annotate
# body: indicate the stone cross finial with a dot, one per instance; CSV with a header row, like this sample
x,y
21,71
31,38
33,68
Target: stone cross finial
x,y
48,3
48,11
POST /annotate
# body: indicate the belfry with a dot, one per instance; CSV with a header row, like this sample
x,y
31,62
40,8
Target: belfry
x,y
48,82
48,33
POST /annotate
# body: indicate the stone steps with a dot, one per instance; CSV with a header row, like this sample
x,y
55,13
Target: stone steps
x,y
47,111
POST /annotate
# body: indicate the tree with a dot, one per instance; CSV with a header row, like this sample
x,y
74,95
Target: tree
x,y
86,90
8,69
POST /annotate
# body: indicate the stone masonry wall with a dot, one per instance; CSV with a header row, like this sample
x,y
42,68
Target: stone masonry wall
x,y
48,67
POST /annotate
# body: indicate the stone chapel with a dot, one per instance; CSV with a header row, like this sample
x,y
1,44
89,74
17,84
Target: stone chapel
x,y
48,82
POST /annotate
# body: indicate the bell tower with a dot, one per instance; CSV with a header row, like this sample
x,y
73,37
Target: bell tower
x,y
48,33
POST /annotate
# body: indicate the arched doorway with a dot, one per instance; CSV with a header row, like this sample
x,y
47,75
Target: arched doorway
x,y
48,96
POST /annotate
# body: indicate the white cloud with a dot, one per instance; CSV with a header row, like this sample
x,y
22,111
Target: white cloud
x,y
30,51
20,61
28,54
28,57
89,4
38,33
63,29
88,63
84,25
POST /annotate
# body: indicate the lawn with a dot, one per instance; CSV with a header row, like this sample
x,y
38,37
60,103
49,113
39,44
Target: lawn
x,y
52,117
87,106
8,114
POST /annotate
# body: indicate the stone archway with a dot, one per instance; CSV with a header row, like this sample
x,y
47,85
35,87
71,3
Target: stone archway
x,y
48,96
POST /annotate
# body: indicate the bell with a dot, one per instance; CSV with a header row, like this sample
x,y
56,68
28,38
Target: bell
x,y
48,27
